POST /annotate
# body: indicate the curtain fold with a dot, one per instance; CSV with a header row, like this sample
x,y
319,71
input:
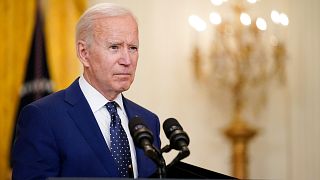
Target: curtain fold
x,y
17,23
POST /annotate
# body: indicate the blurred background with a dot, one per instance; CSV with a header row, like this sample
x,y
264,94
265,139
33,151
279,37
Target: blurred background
x,y
243,84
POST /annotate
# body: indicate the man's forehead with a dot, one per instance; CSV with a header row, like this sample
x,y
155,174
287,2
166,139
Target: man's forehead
x,y
112,21
116,27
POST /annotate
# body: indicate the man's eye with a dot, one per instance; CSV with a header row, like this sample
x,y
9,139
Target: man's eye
x,y
114,47
133,48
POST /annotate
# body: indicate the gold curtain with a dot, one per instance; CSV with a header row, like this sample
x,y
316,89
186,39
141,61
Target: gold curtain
x,y
17,23
61,17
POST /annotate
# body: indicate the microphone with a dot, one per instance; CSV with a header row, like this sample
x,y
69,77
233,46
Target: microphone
x,y
142,136
179,139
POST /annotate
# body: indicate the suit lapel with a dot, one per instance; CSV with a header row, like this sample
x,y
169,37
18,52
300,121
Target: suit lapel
x,y
82,115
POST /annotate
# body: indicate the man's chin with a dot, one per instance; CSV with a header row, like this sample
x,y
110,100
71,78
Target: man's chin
x,y
124,87
123,84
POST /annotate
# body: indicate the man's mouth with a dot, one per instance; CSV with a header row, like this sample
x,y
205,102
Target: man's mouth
x,y
122,74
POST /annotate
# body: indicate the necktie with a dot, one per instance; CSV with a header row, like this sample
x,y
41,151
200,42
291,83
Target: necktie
x,y
120,149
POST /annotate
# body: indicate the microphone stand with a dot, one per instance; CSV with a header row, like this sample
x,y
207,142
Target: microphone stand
x,y
183,153
156,156
162,168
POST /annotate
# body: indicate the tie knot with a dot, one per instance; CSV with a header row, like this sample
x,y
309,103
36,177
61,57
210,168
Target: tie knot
x,y
112,107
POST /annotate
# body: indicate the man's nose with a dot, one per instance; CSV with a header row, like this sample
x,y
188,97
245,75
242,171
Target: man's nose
x,y
125,57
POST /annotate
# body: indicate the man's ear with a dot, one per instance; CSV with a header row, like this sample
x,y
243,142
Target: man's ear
x,y
83,52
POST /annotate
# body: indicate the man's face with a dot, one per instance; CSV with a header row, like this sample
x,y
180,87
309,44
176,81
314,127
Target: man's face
x,y
112,56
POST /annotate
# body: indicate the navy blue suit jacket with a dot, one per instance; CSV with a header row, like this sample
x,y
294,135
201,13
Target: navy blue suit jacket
x,y
59,136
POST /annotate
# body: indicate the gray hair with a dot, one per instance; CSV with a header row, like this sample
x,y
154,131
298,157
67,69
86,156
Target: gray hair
x,y
85,24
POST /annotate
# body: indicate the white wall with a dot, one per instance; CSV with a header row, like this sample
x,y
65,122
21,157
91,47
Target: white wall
x,y
287,146
304,39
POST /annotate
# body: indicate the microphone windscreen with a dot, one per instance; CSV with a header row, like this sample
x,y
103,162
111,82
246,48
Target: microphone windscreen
x,y
140,132
135,123
170,125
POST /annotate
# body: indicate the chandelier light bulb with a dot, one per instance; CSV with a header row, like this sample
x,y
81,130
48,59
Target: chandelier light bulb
x,y
215,18
275,16
284,20
245,19
252,1
197,23
217,2
261,24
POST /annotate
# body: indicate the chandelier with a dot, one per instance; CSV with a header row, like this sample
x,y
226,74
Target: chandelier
x,y
245,54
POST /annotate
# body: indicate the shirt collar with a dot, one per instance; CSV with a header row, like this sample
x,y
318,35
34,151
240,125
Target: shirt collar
x,y
95,99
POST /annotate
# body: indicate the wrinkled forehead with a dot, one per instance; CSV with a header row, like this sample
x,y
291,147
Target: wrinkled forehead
x,y
116,27
115,22
123,24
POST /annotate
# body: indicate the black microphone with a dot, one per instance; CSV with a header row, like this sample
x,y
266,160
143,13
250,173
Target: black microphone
x,y
179,139
142,136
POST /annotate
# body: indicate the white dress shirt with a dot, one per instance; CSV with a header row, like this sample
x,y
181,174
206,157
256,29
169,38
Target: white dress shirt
x,y
97,104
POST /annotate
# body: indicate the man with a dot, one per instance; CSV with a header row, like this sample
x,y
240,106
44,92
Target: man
x,y
71,132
